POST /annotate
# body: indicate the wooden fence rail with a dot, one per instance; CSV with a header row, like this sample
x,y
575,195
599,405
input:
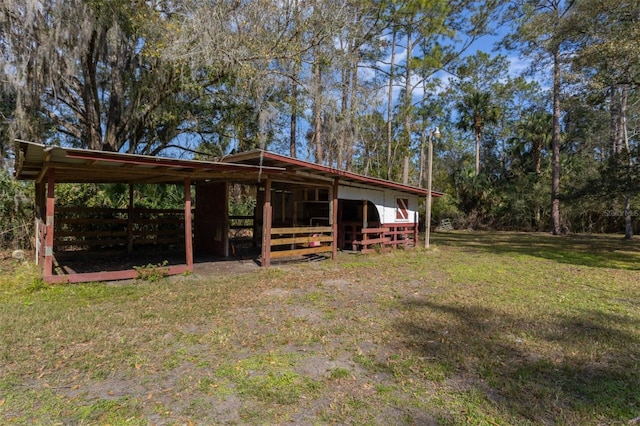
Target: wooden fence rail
x,y
302,240
384,237
85,227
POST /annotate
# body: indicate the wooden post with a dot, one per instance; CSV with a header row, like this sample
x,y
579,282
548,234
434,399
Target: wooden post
x,y
334,219
130,221
49,214
365,222
188,231
40,201
415,230
265,258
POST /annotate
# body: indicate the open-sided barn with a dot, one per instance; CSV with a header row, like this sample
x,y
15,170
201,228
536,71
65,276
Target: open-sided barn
x,y
302,209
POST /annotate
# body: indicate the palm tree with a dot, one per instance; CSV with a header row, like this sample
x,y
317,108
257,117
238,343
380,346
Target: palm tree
x,y
475,111
537,129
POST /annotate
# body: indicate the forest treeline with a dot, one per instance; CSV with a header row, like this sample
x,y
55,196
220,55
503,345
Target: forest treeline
x,y
539,134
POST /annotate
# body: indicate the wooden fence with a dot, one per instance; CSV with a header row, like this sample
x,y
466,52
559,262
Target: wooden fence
x,y
85,228
300,241
379,237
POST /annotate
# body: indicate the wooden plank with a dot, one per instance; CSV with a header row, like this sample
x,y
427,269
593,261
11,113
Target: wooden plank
x,y
156,232
136,211
176,240
90,210
302,230
130,220
241,218
90,221
60,235
300,240
265,257
373,231
49,223
116,242
74,234
241,226
300,252
334,217
188,231
89,243
372,241
107,275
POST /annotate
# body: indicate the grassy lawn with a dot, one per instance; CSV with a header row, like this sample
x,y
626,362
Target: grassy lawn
x,y
486,328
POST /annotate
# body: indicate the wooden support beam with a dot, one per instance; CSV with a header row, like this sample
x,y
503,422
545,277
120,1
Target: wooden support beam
x,y
334,218
265,258
49,222
365,220
415,230
40,216
130,221
188,231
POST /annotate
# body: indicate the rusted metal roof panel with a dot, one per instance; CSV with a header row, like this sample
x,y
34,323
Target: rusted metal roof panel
x,y
83,166
294,165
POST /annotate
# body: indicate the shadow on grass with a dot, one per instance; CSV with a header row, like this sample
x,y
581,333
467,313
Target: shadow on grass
x,y
567,370
606,251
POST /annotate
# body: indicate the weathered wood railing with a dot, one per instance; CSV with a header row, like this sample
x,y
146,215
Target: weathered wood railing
x,y
241,222
372,238
301,240
405,235
85,227
385,237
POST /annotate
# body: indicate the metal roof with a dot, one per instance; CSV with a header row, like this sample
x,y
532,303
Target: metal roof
x,y
305,169
72,165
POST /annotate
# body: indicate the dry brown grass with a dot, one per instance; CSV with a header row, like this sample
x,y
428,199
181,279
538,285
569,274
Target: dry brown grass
x,y
484,329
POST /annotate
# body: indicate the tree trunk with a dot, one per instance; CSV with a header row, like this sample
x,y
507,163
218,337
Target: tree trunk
x,y
93,130
317,112
616,134
344,114
294,120
407,109
405,170
478,137
352,113
555,148
423,141
628,218
390,106
537,155
628,214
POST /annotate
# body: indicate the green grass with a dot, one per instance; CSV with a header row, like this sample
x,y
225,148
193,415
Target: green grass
x,y
485,328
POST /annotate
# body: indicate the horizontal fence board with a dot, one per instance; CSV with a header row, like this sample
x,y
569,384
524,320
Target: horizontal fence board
x,y
240,226
90,243
301,240
301,230
373,231
176,240
89,210
372,241
300,252
116,242
76,234
88,221
136,211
